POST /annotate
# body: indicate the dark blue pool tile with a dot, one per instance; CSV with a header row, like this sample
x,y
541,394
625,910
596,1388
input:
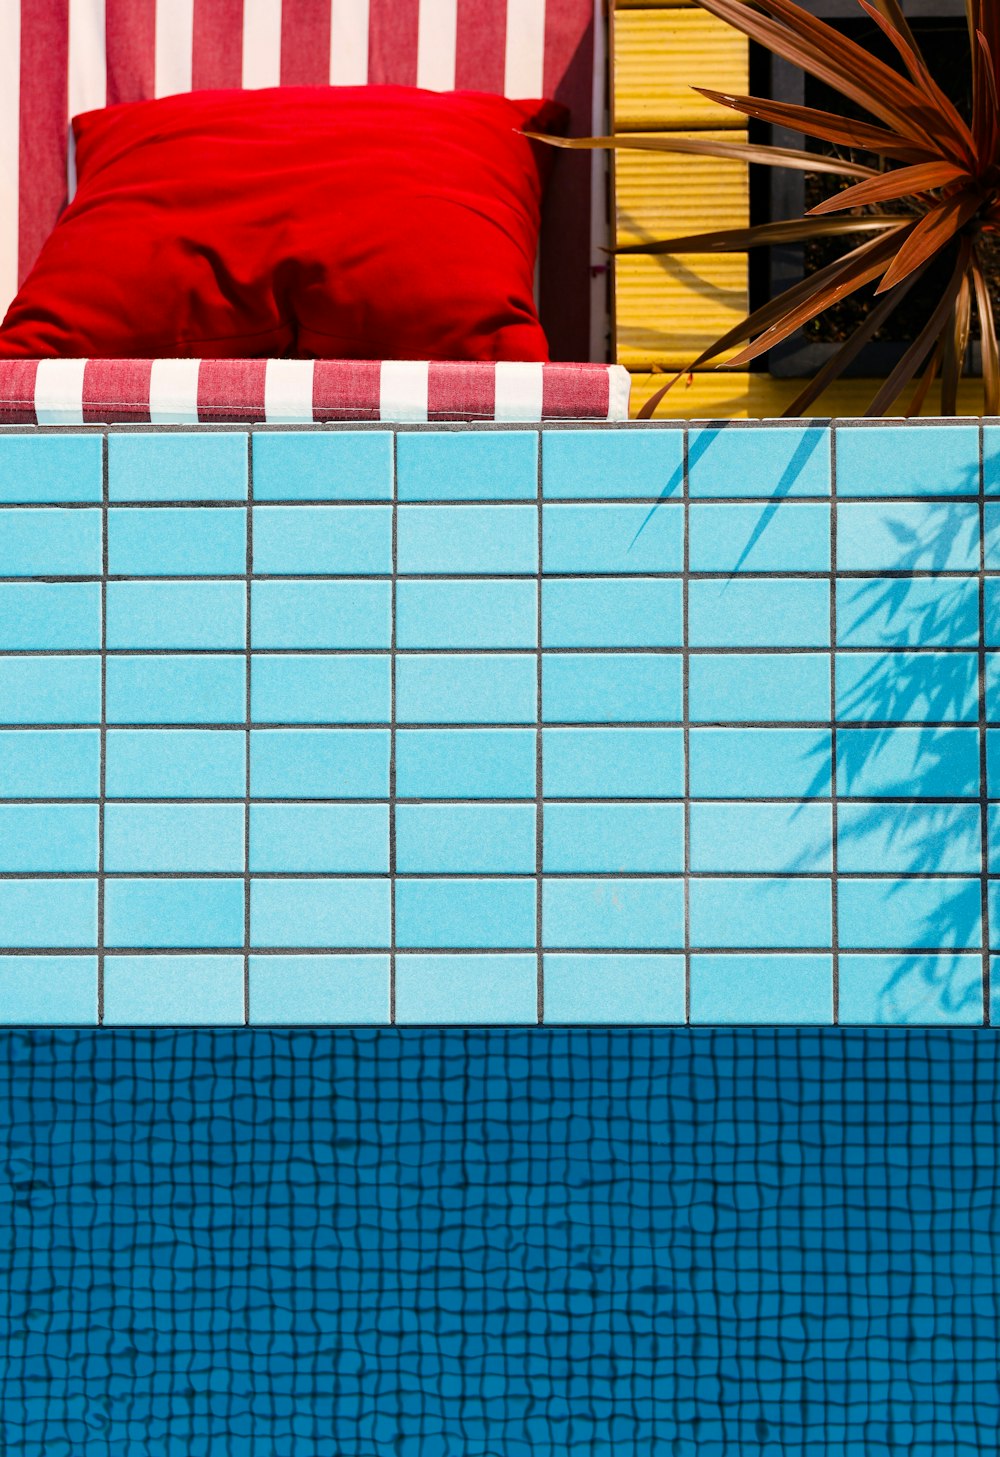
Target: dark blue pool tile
x,y
759,461
761,989
469,990
907,460
467,465
637,463
177,465
318,465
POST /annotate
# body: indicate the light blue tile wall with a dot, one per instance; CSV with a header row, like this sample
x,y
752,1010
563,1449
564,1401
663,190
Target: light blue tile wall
x,y
587,726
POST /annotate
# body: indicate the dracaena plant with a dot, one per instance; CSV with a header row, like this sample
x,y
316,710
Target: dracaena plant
x,y
929,188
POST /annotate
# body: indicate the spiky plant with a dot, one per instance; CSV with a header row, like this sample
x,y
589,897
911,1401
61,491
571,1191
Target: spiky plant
x,y
938,169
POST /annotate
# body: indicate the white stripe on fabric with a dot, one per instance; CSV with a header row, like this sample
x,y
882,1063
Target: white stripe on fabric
x,y
518,391
403,390
437,37
524,54
88,56
59,391
173,392
288,391
349,20
10,146
174,47
619,391
261,44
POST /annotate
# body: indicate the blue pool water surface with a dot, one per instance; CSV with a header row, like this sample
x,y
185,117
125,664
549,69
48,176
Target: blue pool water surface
x,y
499,1244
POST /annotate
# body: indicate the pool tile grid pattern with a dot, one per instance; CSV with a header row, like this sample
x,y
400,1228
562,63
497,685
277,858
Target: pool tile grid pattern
x,y
638,725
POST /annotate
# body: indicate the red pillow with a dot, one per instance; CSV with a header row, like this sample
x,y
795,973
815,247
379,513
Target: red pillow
x,y
370,222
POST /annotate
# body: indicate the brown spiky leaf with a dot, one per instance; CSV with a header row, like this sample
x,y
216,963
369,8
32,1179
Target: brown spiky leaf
x,y
933,232
900,182
736,240
826,126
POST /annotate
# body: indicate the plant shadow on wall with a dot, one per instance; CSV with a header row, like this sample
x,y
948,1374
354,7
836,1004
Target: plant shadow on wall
x,y
918,183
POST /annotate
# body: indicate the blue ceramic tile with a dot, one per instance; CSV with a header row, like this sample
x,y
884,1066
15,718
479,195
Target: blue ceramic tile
x,y
908,687
768,537
991,545
908,460
48,837
991,694
50,690
612,612
614,990
301,688
761,990
322,540
775,613
443,540
465,914
993,763
613,539
321,913
52,991
154,837
176,689
646,462
322,465
50,763
760,912
173,991
351,614
168,913
909,913
465,763
761,763
908,536
466,614
465,839
50,543
916,991
613,838
729,688
614,913
994,913
993,838
319,763
908,839
467,465
319,991
37,467
991,459
177,763
909,612
913,763
316,838
57,913
474,990
177,465
759,461
607,763
464,688
994,990
612,688
177,541
50,615
761,838
176,614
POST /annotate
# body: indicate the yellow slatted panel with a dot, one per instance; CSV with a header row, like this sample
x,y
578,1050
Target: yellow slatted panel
x,y
721,395
660,54
659,195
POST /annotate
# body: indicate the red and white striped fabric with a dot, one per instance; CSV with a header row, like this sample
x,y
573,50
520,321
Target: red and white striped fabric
x,y
302,391
60,57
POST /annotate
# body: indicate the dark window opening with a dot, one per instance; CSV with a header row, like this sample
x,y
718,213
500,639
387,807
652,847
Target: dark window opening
x,y
941,27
